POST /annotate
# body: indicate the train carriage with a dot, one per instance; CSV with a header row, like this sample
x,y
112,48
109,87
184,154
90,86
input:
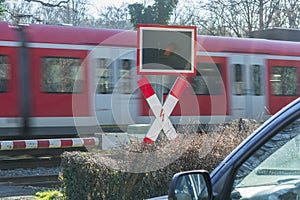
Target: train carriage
x,y
62,80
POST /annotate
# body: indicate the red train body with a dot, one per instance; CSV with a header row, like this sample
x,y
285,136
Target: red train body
x,y
58,80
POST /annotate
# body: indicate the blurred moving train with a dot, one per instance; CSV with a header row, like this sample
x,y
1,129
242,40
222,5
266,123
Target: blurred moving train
x,y
62,80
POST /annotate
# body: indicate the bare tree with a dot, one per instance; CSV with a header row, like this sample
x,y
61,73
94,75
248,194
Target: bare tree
x,y
68,11
215,17
239,17
19,12
192,13
73,12
290,15
114,17
48,4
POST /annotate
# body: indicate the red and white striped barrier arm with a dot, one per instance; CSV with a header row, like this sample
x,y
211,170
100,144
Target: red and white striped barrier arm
x,y
48,143
161,113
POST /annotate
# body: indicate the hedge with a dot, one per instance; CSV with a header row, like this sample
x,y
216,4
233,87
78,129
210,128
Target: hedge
x,y
122,175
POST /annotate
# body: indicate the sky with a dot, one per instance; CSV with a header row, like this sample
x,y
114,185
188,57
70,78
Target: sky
x,y
98,4
105,3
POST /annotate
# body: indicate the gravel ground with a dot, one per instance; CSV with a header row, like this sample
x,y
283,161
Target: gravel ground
x,y
24,192
30,172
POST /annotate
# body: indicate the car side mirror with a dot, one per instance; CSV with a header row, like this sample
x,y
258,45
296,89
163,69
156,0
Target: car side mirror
x,y
190,185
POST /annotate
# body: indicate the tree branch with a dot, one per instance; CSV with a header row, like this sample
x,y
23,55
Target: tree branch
x,y
59,4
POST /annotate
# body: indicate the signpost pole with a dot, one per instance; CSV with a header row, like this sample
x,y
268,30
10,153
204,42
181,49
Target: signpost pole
x,y
159,88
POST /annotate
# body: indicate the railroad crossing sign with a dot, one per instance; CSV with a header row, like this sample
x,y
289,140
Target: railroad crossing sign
x,y
161,113
164,50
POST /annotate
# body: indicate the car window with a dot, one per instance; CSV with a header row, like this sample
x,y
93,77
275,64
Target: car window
x,y
273,171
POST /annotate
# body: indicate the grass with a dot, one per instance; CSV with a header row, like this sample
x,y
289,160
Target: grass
x,y
50,195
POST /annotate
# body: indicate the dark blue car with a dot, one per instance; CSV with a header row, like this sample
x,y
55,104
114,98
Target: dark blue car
x,y
266,166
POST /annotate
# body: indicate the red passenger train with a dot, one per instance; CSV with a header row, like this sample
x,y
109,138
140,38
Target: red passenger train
x,y
62,80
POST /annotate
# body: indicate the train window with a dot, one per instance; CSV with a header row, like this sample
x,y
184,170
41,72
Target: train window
x,y
256,80
208,80
4,73
284,81
62,75
239,80
104,85
125,76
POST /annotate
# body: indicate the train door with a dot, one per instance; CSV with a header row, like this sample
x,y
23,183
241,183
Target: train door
x,y
115,73
125,99
103,64
247,86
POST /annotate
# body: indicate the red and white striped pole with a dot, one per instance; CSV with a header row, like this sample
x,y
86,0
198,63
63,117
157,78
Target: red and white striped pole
x,y
161,113
48,143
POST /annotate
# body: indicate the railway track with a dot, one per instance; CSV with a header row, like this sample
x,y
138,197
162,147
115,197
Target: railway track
x,y
51,180
36,162
29,163
30,171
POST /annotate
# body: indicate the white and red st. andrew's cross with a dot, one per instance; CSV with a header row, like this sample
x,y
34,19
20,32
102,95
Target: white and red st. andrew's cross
x,y
161,113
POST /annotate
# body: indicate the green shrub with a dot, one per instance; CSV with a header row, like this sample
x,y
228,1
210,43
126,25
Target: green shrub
x,y
49,195
119,175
